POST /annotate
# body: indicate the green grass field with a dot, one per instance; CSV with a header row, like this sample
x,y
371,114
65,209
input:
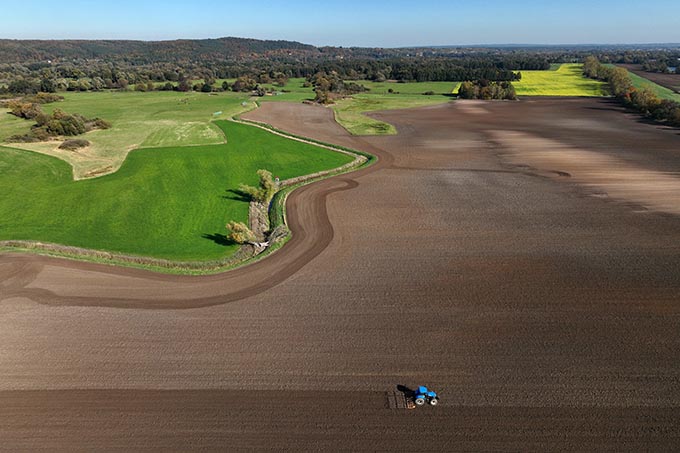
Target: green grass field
x,y
296,92
350,113
567,80
156,119
162,202
661,92
11,125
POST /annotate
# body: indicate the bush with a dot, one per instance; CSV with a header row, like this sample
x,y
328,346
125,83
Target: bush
x,y
37,134
239,233
44,98
25,110
23,86
97,123
64,124
26,138
244,84
74,144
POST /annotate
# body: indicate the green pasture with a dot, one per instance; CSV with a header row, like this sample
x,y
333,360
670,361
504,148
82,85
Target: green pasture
x,y
168,202
11,125
350,112
295,92
567,80
154,119
661,92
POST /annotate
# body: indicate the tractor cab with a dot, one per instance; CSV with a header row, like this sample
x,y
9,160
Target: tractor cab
x,y
424,395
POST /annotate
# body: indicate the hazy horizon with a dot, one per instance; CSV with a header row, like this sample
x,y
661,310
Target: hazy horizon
x,y
453,45
355,24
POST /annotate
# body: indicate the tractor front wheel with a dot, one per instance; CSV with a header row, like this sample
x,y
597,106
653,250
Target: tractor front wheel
x,y
434,402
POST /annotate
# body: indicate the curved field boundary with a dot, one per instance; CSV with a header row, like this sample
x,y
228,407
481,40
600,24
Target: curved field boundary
x,y
245,255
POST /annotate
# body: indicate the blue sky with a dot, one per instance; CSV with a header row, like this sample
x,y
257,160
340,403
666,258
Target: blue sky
x,y
350,22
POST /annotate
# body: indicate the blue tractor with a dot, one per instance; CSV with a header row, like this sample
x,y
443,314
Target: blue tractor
x,y
423,395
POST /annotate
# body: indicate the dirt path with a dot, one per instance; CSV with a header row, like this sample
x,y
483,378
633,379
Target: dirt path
x,y
547,318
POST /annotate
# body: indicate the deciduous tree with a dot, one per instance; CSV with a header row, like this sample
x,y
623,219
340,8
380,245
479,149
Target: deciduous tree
x,y
240,233
266,189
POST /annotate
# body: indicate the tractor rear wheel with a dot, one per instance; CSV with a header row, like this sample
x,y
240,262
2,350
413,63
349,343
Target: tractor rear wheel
x,y
420,401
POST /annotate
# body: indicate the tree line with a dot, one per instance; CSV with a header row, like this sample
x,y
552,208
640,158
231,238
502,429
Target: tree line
x,y
55,66
32,72
487,90
644,100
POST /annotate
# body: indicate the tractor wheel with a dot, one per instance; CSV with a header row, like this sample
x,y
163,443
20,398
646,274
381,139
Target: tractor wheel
x,y
434,402
420,401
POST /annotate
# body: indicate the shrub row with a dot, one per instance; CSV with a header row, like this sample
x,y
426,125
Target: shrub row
x,y
644,100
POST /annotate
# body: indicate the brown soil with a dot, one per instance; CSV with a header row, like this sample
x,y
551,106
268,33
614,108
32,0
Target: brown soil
x,y
546,318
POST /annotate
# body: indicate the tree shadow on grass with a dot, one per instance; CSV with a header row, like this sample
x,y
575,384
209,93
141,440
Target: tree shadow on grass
x,y
219,239
237,195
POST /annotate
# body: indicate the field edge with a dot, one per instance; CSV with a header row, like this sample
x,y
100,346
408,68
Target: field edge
x,y
277,215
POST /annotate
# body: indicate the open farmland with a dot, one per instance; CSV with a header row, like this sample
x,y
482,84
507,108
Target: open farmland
x,y
168,202
545,307
662,92
567,80
561,80
670,81
351,112
146,120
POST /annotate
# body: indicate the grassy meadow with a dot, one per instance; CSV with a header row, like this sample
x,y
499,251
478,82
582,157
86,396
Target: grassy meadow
x,y
168,202
155,119
11,125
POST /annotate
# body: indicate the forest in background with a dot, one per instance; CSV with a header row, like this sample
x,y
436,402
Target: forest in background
x,y
51,66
